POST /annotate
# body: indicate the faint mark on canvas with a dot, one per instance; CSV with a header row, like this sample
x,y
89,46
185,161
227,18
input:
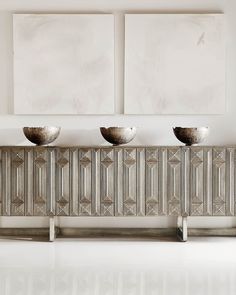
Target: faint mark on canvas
x,y
174,64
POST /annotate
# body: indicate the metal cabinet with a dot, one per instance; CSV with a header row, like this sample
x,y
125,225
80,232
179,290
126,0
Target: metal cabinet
x,y
117,181
212,181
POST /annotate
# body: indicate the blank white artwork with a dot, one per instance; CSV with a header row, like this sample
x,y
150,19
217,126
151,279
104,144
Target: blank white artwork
x,y
174,64
63,63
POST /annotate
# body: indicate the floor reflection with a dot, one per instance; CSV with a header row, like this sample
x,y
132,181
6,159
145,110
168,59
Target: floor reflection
x,y
72,267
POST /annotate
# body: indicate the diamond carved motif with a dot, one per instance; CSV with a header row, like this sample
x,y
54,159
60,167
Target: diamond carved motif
x,y
219,209
85,208
62,162
197,209
173,155
219,155
40,201
62,202
17,201
130,209
107,209
40,162
107,163
174,208
17,162
152,209
196,156
151,155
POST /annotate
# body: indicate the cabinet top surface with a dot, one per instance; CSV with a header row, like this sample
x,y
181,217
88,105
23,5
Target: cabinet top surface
x,y
117,147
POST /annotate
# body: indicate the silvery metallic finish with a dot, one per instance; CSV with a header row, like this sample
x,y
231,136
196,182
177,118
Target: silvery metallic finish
x,y
41,135
120,181
118,135
191,136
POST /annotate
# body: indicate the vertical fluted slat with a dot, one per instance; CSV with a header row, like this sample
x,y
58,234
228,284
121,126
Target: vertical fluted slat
x,y
96,182
6,182
74,180
51,184
230,181
118,167
141,210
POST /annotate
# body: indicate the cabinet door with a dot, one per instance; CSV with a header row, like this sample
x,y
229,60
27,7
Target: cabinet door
x,y
174,181
6,181
40,188
230,182
201,181
196,181
152,181
107,182
85,188
219,181
12,181
129,170
62,181
17,182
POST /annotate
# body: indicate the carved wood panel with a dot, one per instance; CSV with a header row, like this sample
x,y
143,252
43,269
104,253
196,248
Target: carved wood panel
x,y
173,181
117,181
118,177
17,182
40,160
130,200
107,182
196,181
152,181
219,180
62,181
141,181
85,177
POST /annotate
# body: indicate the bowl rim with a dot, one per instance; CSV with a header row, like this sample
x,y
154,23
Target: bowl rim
x,y
117,127
41,127
201,127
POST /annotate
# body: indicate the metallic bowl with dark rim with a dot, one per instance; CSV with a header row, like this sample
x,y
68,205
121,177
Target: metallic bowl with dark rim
x,y
41,135
118,135
191,135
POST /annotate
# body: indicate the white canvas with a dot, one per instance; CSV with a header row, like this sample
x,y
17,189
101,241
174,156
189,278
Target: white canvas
x,y
63,64
174,64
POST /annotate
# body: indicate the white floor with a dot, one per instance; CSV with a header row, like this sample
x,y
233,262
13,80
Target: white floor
x,y
200,266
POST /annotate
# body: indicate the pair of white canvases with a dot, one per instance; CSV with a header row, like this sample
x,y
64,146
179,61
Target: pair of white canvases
x,y
64,64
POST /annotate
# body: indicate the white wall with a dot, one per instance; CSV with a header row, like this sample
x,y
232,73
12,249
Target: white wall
x,y
81,130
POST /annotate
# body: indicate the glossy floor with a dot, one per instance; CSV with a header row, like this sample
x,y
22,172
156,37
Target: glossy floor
x,y
200,266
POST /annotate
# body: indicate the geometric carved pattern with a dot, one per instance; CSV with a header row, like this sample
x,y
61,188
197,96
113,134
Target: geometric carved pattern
x,y
62,181
219,181
174,181
85,176
129,170
117,181
40,181
107,182
152,181
196,181
17,182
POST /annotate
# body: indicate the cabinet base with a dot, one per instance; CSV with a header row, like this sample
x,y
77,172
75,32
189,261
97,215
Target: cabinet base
x,y
118,233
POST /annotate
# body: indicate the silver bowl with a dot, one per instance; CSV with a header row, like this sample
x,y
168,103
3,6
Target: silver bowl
x,y
118,135
41,135
191,136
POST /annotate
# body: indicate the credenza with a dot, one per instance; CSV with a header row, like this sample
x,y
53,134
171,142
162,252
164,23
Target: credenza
x,y
117,181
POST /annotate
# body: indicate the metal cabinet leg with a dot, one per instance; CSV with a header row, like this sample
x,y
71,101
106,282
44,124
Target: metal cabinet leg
x,y
52,232
182,230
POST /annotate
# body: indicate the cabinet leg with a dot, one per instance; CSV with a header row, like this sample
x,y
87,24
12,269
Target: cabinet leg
x,y
182,230
52,232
